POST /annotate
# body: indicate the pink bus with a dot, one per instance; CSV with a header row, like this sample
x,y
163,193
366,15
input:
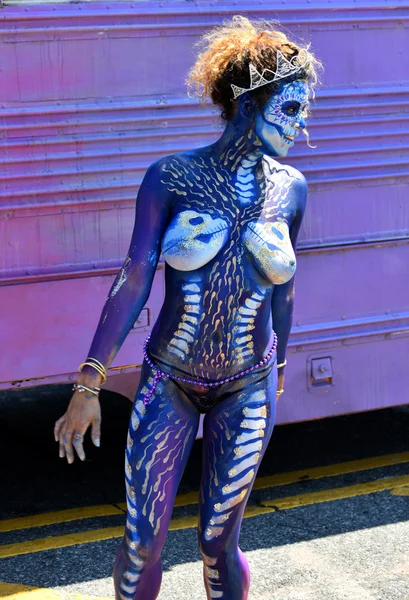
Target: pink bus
x,y
91,93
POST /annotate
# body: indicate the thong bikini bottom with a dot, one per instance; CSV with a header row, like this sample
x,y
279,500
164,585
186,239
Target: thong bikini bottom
x,y
205,394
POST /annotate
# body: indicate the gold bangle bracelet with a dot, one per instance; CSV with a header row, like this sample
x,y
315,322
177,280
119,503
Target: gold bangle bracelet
x,y
93,365
279,392
96,367
282,364
96,362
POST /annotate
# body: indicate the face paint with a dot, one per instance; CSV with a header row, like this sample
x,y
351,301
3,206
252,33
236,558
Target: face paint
x,y
282,117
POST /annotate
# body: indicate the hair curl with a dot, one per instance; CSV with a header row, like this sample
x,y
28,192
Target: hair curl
x,y
225,53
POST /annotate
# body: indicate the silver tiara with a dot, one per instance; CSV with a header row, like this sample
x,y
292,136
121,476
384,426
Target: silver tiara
x,y
285,68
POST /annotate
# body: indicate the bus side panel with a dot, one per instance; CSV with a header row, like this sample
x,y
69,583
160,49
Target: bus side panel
x,y
91,95
350,337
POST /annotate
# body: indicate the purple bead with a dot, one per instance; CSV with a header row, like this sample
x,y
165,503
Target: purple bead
x,y
205,384
247,371
177,378
188,381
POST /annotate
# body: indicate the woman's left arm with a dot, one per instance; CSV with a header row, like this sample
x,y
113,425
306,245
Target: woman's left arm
x,y
283,296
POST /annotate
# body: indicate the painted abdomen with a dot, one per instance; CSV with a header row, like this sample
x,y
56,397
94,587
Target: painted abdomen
x,y
193,239
270,246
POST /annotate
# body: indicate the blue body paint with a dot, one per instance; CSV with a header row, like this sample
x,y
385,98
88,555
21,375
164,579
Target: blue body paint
x,y
226,218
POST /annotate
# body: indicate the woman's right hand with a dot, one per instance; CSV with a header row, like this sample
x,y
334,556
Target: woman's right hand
x,y
84,410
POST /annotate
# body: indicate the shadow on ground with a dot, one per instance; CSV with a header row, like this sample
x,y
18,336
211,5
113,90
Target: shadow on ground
x,y
35,480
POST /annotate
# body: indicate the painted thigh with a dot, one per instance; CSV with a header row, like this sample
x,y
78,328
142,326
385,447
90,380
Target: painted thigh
x,y
236,434
160,438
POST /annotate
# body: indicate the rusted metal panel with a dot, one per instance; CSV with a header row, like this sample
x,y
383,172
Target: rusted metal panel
x,y
92,93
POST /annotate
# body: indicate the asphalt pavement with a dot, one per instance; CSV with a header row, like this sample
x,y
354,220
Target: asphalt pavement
x,y
328,518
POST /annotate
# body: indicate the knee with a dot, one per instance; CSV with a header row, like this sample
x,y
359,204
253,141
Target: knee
x,y
136,555
211,543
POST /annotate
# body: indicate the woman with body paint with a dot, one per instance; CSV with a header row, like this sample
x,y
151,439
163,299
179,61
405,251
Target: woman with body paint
x,y
225,218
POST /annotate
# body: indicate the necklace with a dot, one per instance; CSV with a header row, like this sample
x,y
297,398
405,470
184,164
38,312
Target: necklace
x,y
159,373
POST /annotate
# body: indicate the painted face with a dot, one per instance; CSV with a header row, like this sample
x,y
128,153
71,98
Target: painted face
x,y
282,117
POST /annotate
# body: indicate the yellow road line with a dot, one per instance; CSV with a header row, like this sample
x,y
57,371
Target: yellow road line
x,y
25,592
60,541
268,506
87,512
61,516
21,592
403,491
352,466
83,537
350,491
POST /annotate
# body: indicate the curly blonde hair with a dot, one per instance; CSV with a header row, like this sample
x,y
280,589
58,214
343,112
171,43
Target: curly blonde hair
x,y
224,56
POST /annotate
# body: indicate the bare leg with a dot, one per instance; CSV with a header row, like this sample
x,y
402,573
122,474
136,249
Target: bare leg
x,y
236,434
160,438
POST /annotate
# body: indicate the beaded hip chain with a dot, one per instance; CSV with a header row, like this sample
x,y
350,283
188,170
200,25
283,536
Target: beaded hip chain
x,y
159,373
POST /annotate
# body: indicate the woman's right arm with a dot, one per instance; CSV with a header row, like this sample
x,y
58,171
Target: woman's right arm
x,y
123,305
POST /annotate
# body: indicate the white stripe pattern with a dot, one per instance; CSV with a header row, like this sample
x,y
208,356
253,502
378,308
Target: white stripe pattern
x,y
244,184
244,324
184,336
246,458
212,577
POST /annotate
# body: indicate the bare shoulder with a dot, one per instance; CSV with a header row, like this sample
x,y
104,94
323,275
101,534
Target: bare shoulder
x,y
153,190
156,173
286,172
161,164
176,158
169,164
291,178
